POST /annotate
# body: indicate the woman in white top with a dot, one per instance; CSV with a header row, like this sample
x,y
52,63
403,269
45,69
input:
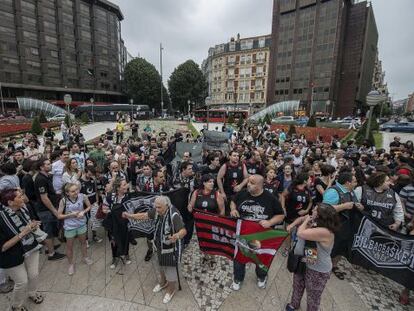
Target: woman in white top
x,y
71,173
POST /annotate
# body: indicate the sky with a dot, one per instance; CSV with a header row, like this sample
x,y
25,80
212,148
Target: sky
x,y
187,28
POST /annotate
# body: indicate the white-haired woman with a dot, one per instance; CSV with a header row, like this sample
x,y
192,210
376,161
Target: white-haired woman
x,y
169,231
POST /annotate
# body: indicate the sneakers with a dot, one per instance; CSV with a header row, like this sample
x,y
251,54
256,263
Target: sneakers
x,y
71,269
114,263
127,260
159,287
55,248
96,239
262,284
148,255
88,261
56,256
168,297
235,286
289,308
7,287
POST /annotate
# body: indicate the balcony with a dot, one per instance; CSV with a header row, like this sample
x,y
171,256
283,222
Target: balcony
x,y
260,60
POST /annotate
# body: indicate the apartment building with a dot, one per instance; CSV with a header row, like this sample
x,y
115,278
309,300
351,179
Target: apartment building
x,y
237,73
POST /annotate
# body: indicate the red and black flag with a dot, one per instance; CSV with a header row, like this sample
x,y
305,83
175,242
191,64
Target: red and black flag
x,y
241,240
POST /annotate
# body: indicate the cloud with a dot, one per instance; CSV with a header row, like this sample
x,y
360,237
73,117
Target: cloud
x,y
187,28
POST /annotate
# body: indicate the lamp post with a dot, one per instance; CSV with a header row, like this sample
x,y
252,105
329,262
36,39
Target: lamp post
x,y
131,101
92,103
2,102
189,103
67,99
208,101
373,98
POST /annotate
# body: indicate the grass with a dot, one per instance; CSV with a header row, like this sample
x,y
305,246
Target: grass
x,y
378,139
349,136
192,129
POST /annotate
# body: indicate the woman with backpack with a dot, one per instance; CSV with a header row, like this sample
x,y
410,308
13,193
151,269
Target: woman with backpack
x,y
72,212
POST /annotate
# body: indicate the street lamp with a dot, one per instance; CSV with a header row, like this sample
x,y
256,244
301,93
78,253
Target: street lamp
x,y
131,101
92,103
67,99
373,98
189,103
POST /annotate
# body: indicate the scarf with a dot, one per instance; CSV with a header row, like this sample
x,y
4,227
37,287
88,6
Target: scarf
x,y
14,223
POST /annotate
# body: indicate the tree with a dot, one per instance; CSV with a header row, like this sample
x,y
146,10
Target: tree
x,y
230,120
187,83
42,118
67,120
360,136
143,83
36,126
240,123
311,121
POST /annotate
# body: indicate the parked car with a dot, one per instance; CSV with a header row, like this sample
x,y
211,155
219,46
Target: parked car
x,y
284,119
58,117
302,121
407,127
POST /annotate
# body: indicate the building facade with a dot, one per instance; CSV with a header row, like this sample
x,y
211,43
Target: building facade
x,y
323,54
52,47
237,73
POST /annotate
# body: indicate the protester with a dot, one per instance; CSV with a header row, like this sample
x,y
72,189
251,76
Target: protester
x,y
169,231
72,212
319,228
19,255
255,204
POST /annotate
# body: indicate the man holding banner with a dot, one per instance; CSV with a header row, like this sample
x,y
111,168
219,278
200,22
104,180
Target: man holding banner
x,y
259,205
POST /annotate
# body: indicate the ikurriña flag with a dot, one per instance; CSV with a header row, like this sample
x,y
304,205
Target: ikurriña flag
x,y
241,240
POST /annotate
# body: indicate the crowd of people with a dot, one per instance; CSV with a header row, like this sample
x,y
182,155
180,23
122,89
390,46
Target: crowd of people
x,y
54,192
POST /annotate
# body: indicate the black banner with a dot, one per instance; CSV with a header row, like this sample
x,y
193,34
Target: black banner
x,y
385,251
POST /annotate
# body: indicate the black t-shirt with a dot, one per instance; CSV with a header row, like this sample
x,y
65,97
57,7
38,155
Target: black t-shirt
x,y
44,185
297,200
109,135
262,207
319,182
88,188
27,184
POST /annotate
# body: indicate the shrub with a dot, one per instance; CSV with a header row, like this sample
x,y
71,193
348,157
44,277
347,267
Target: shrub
x,y
240,123
67,120
230,120
311,121
267,119
84,117
42,118
360,136
36,126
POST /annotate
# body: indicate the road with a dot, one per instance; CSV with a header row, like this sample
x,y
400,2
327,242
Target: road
x,y
388,137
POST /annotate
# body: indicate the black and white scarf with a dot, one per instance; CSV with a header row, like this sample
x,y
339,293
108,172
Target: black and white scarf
x,y
14,224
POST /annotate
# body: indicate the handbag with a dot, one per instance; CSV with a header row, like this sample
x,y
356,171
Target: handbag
x,y
295,256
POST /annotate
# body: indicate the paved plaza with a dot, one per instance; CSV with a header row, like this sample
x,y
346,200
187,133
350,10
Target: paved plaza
x,y
97,287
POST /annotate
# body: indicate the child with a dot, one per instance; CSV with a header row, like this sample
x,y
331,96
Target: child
x,y
71,211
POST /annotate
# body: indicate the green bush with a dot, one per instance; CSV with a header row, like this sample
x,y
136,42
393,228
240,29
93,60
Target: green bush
x,y
292,130
36,126
360,136
42,118
240,123
311,121
230,120
84,117
267,119
68,122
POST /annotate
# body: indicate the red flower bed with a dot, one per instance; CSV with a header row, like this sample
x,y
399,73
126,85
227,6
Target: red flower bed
x,y
7,129
312,132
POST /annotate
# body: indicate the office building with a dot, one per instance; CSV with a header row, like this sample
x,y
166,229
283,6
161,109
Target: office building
x,y
52,47
323,53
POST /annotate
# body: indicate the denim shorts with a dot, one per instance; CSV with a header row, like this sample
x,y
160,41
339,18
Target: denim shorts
x,y
49,223
73,233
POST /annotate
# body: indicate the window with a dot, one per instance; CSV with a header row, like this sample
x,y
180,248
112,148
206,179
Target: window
x,y
28,5
103,62
71,70
10,61
85,34
7,31
54,54
33,64
29,35
246,44
262,42
232,46
84,8
50,39
49,25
